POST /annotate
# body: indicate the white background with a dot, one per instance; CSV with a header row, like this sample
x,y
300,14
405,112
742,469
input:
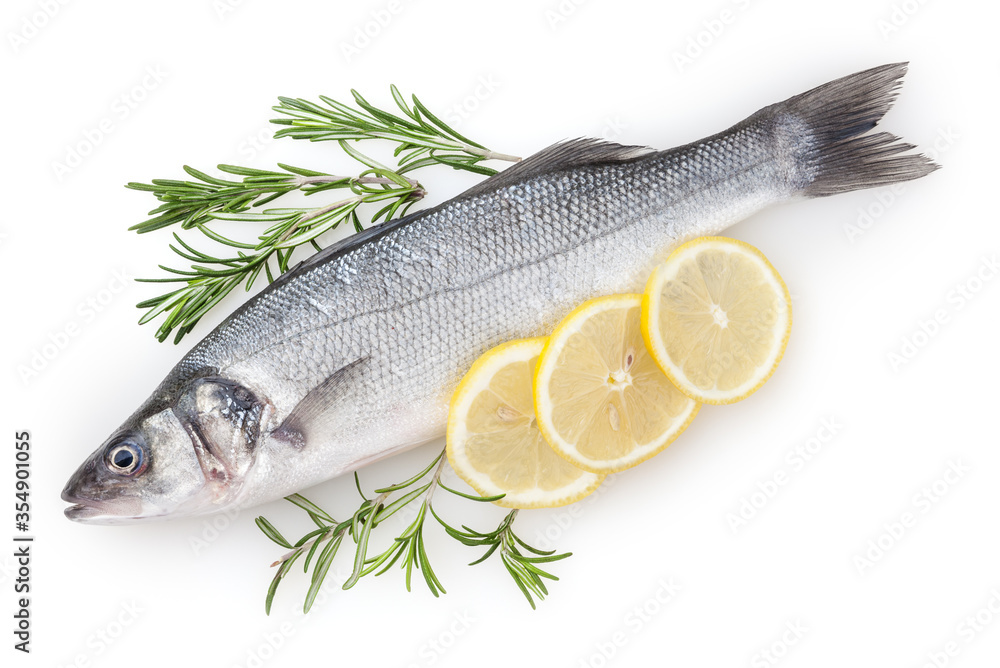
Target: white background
x,y
524,75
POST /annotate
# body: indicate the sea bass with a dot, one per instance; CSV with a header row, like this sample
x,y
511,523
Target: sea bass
x,y
353,355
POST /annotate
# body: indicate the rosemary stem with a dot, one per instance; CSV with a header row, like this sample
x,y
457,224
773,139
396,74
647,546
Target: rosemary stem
x,y
436,479
373,180
487,154
324,209
313,214
318,539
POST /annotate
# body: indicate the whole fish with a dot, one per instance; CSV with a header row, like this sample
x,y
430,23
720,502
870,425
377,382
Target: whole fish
x,y
353,355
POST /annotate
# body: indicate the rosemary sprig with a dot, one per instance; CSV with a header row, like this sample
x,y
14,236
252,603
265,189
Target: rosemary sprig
x,y
521,567
408,547
197,204
422,140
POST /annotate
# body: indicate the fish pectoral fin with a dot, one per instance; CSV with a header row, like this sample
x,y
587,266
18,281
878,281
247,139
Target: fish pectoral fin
x,y
312,419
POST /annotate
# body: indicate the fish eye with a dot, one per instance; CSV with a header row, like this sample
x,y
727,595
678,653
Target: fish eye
x,y
125,458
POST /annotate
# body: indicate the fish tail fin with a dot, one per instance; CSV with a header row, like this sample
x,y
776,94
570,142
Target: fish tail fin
x,y
837,152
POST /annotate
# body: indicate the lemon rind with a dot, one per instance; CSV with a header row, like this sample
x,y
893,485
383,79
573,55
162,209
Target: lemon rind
x,y
650,315
475,380
543,405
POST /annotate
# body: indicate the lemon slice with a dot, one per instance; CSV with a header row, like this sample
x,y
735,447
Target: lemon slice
x,y
716,317
493,439
601,400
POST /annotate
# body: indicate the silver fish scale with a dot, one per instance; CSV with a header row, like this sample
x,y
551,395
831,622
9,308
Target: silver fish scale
x,y
424,300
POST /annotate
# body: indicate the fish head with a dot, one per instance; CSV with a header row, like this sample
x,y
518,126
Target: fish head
x,y
186,453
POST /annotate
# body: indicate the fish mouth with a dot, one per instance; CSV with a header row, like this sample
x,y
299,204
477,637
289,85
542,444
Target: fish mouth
x,y
98,511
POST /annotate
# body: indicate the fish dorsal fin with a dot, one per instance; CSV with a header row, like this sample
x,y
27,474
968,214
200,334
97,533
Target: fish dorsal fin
x,y
561,155
314,418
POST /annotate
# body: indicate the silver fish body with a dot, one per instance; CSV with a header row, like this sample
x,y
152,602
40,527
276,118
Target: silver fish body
x,y
353,356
